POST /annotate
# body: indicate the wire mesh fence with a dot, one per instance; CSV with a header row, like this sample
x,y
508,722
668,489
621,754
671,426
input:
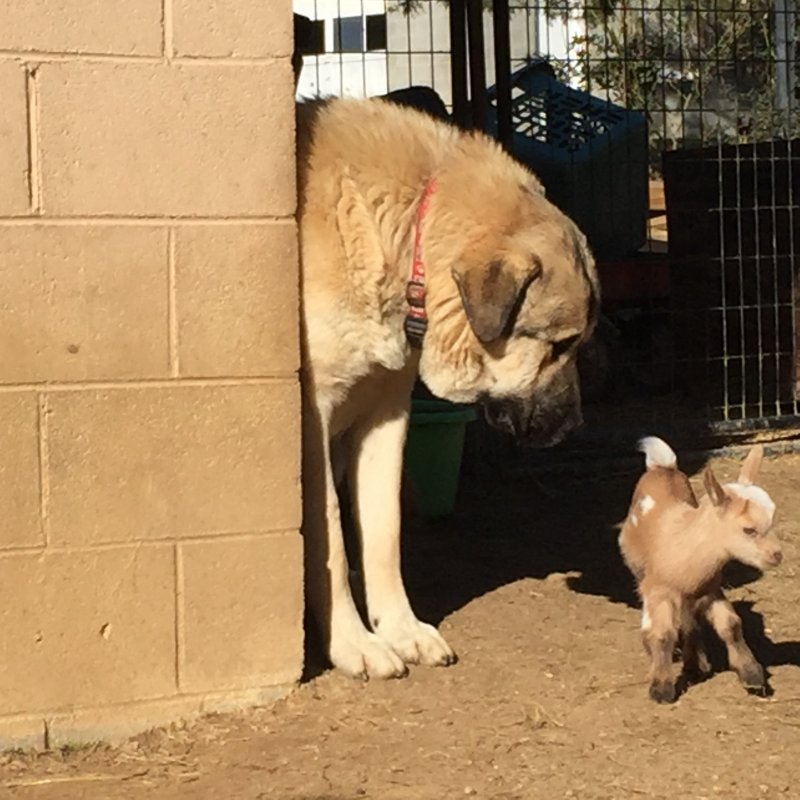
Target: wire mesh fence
x,y
669,130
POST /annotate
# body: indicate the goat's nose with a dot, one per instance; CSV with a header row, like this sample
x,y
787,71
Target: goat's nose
x,y
775,558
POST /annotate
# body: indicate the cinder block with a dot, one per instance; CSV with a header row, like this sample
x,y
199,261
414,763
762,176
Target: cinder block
x,y
234,28
88,627
167,140
14,192
115,724
20,517
136,464
242,614
237,300
83,303
120,27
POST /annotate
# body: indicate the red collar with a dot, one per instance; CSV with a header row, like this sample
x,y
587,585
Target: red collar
x,y
416,319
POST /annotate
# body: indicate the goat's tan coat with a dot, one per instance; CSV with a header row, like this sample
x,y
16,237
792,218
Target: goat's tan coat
x,y
676,548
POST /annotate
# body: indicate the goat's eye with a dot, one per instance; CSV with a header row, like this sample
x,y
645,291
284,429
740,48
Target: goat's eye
x,y
750,531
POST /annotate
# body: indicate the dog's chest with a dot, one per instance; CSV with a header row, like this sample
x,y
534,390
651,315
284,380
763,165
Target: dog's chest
x,y
343,349
379,389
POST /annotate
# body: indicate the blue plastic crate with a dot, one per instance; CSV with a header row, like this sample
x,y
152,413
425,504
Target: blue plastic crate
x,y
591,156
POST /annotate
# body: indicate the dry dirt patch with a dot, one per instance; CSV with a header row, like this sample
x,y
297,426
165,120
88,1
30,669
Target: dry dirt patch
x,y
548,701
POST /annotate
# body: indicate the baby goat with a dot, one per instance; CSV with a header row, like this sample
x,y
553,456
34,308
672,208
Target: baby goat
x,y
676,549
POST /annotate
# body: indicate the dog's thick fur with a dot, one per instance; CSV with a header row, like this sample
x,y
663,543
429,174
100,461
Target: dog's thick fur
x,y
511,293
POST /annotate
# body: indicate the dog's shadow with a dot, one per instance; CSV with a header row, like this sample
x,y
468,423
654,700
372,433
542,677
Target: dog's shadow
x,y
505,529
523,526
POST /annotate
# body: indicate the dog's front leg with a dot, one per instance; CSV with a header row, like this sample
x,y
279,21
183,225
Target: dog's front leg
x,y
349,645
376,473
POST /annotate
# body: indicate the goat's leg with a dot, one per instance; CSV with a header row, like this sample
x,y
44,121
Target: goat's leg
x,y
695,661
659,634
728,625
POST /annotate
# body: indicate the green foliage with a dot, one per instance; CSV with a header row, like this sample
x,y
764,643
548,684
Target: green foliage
x,y
701,69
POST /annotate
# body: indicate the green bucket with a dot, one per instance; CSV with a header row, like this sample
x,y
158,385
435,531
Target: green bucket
x,y
433,453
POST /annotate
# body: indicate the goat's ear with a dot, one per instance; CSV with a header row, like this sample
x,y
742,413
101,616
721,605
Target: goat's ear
x,y
492,296
751,465
715,491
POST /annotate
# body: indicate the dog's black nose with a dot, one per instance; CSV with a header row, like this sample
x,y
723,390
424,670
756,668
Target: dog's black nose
x,y
544,427
502,415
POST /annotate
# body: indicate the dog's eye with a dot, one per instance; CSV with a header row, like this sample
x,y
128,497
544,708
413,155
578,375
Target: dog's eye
x,y
563,346
750,531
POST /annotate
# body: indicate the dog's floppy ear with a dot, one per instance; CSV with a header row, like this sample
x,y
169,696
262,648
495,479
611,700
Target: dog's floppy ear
x,y
492,296
585,259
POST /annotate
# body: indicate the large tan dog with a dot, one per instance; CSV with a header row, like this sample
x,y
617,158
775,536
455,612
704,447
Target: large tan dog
x,y
510,294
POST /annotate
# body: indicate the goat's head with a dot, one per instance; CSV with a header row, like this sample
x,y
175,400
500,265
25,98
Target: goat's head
x,y
744,515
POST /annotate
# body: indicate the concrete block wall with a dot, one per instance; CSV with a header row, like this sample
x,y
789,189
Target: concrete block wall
x,y
150,559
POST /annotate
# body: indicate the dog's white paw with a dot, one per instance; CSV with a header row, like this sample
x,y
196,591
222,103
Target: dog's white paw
x,y
417,642
361,654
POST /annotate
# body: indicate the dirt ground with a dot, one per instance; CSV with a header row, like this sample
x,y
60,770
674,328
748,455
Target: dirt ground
x,y
548,700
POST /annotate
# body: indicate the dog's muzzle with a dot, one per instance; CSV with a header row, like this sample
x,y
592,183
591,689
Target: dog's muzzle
x,y
540,427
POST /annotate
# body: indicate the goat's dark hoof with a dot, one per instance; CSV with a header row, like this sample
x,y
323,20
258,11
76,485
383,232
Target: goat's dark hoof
x,y
703,666
754,680
663,692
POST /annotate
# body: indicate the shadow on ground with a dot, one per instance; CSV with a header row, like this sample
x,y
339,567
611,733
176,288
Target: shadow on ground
x,y
768,653
507,528
522,527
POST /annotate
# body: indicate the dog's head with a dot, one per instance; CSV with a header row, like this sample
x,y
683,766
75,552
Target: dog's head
x,y
512,295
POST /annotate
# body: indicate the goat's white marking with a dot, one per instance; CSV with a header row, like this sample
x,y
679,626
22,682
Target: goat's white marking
x,y
658,453
755,494
646,621
646,504
634,520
